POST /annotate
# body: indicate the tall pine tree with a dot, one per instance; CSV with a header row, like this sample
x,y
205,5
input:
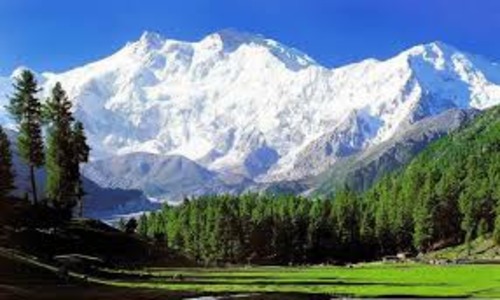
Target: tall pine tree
x,y
6,172
26,110
81,151
57,112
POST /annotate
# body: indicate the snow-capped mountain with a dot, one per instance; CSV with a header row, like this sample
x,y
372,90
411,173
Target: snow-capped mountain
x,y
241,103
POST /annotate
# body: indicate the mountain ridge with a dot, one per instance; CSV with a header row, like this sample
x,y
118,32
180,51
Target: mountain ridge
x,y
239,103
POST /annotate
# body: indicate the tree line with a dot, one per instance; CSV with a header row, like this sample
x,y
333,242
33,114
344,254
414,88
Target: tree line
x,y
447,195
47,136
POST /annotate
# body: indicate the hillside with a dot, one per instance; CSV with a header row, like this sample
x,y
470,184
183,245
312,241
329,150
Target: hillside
x,y
448,194
43,232
482,249
25,277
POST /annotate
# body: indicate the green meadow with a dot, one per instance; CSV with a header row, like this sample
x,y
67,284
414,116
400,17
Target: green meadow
x,y
369,280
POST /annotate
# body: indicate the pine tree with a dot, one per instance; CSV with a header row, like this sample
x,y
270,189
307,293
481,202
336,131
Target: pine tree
x,y
131,226
472,199
26,110
423,216
496,193
496,230
122,224
6,171
494,177
367,223
345,217
81,151
60,186
143,226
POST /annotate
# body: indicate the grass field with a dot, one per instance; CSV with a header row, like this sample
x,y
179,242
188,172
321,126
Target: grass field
x,y
24,278
371,280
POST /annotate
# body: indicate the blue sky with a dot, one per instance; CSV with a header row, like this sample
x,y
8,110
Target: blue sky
x,y
55,35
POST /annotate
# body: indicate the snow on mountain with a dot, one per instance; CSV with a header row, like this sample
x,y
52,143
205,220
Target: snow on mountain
x,y
239,102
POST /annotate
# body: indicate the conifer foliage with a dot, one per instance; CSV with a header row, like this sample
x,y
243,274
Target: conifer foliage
x,y
59,186
66,149
26,110
6,170
66,143
80,152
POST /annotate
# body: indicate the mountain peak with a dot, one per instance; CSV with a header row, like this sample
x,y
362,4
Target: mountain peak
x,y
440,44
435,48
230,39
150,40
234,36
438,54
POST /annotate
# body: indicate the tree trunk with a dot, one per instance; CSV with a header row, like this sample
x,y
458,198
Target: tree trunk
x,y
80,194
80,208
33,184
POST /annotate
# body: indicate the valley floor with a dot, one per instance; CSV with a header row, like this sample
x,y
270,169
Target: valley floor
x,y
369,280
22,278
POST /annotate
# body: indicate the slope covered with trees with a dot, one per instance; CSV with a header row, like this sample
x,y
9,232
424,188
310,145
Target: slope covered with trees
x,y
448,194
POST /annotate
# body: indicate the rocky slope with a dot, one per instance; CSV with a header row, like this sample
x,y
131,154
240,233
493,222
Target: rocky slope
x,y
361,170
164,177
